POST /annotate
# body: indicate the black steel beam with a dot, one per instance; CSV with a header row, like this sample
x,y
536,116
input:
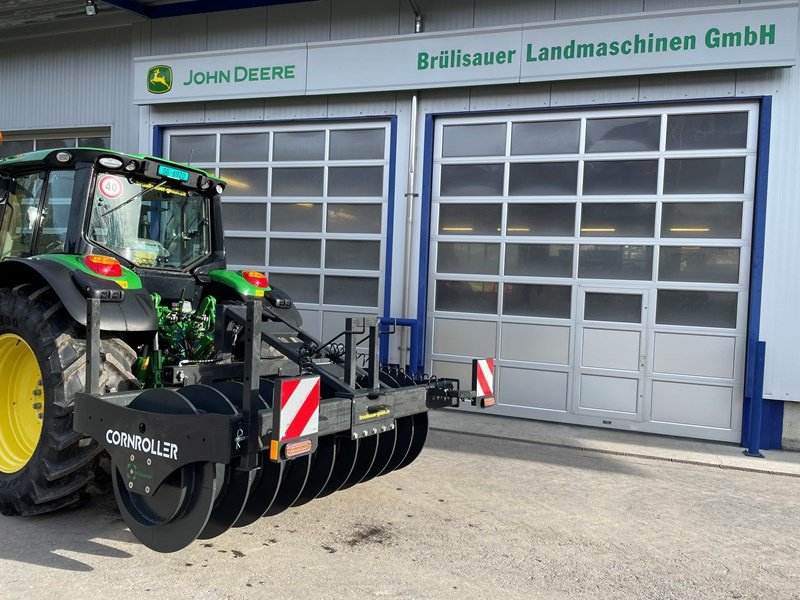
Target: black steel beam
x,y
192,7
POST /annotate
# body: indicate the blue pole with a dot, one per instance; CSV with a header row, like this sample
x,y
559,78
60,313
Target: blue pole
x,y
756,403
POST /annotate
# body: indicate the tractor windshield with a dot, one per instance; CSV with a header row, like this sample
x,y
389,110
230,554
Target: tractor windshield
x,y
151,224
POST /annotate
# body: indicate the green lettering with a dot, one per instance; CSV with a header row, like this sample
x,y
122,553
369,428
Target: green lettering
x,y
585,50
239,74
625,47
544,54
252,74
422,61
265,73
689,42
767,35
731,39
288,71
277,72
614,48
500,57
511,54
602,49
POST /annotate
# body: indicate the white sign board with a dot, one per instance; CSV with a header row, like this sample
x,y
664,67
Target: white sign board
x,y
729,37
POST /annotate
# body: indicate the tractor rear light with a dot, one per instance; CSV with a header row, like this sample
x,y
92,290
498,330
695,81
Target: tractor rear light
x,y
295,449
110,162
255,278
64,157
103,265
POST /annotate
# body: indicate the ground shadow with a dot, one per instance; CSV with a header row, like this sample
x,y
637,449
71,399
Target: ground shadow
x,y
44,539
552,454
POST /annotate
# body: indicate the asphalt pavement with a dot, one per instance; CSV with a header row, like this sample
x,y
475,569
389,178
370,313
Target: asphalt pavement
x,y
473,517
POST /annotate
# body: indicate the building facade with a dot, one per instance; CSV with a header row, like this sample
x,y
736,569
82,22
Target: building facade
x,y
601,195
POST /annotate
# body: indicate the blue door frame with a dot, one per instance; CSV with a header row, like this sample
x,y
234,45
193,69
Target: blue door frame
x,y
772,411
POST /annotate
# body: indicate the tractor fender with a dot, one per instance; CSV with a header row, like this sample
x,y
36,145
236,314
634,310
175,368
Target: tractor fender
x,y
135,312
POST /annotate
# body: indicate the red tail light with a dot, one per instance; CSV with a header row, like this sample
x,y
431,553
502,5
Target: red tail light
x,y
255,278
103,265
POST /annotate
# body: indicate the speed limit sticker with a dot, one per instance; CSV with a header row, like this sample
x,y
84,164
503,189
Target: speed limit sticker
x,y
110,186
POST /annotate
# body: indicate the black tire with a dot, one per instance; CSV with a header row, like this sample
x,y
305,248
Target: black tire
x,y
62,469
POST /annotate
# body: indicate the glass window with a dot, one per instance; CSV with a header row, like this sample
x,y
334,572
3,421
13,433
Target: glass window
x,y
299,181
472,180
13,147
20,213
527,300
302,216
704,176
467,296
627,134
355,181
620,308
462,257
245,182
354,218
546,137
543,179
692,263
351,291
539,260
244,217
696,308
701,220
617,220
193,149
708,131
357,144
244,147
301,288
298,145
245,251
361,255
541,219
622,177
55,214
94,142
51,144
470,219
474,140
294,253
615,262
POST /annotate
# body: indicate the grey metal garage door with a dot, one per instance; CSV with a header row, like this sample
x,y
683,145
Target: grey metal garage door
x,y
603,257
305,202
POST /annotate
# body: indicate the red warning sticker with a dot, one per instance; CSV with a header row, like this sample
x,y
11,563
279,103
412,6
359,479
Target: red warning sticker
x,y
110,187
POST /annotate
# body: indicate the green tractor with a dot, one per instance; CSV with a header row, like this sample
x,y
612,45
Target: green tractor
x,y
132,359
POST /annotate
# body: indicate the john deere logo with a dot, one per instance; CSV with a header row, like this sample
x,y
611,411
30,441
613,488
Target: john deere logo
x,y
159,79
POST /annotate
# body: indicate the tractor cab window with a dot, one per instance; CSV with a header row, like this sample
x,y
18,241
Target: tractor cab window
x,y
151,224
55,212
20,213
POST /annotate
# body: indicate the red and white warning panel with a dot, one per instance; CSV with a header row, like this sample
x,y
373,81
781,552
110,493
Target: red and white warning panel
x,y
295,417
483,381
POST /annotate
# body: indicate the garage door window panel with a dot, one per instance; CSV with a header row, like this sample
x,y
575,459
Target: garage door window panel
x,y
541,220
543,179
713,220
696,264
618,308
355,182
357,144
298,181
704,175
296,217
620,177
245,251
707,131
244,147
244,217
298,146
359,255
468,258
615,262
618,220
351,291
474,140
470,219
626,134
12,147
472,180
301,288
546,137
193,148
245,182
354,218
467,296
546,301
294,253
692,308
539,260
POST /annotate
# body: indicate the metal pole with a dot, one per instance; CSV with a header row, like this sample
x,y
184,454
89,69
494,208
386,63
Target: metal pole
x,y
757,402
92,346
252,372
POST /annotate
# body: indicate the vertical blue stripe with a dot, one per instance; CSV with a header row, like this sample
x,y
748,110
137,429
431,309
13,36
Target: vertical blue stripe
x,y
158,141
387,279
418,363
772,411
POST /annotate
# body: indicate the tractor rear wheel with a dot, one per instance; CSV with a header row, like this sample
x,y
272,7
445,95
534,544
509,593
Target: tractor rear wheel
x,y
44,464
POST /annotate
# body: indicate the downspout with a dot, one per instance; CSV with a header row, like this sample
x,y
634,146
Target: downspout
x,y
410,195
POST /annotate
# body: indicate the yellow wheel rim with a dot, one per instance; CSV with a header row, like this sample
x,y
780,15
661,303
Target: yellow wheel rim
x,y
21,403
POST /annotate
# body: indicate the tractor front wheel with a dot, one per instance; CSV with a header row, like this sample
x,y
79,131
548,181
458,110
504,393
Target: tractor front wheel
x,y
44,464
